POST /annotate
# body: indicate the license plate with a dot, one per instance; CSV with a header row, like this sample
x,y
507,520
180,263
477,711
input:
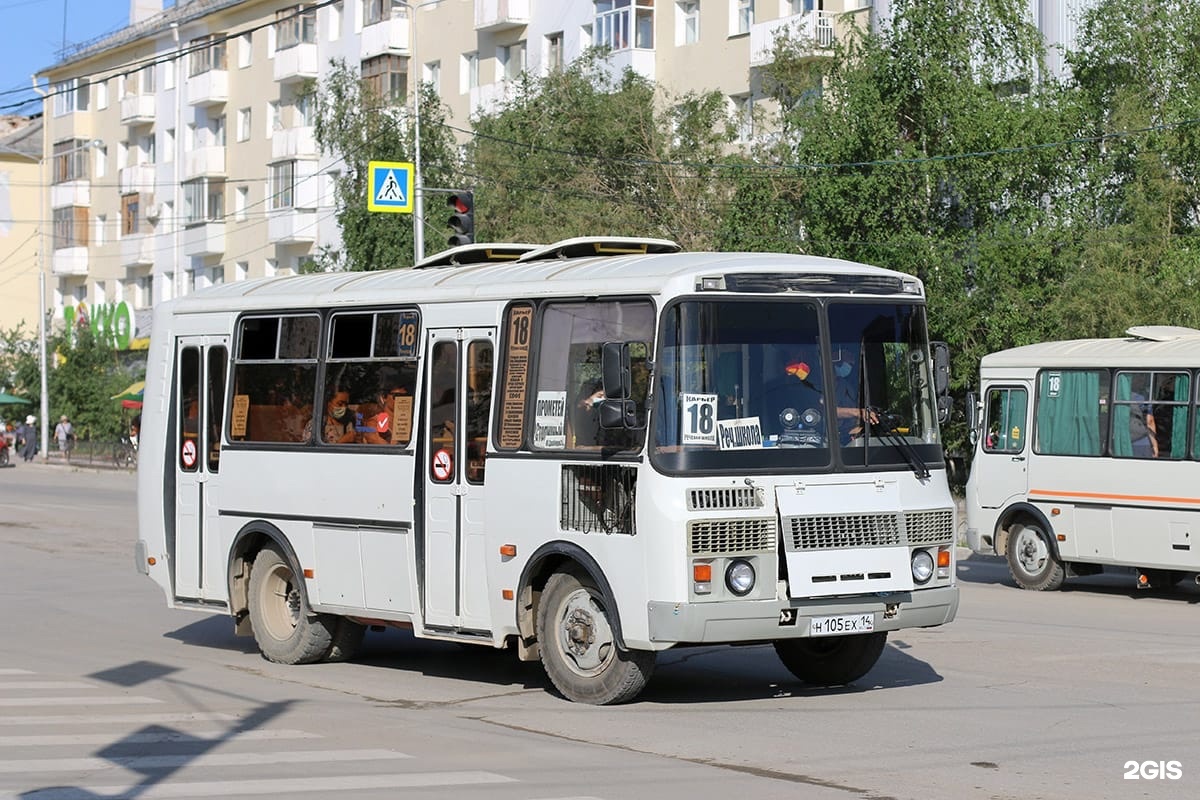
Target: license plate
x,y
838,626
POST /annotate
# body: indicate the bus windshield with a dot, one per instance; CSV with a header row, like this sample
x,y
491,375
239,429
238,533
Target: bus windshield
x,y
752,384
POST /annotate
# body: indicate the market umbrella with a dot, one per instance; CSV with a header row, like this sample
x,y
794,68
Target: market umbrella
x,y
11,399
131,397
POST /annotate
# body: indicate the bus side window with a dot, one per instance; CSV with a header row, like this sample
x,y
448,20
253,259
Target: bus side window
x,y
1004,424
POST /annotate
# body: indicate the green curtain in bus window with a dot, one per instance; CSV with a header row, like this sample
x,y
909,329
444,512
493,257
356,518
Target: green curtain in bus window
x,y
1122,445
1179,417
1068,413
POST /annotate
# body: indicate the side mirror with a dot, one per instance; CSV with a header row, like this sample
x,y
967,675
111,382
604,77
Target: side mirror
x,y
941,367
972,418
614,365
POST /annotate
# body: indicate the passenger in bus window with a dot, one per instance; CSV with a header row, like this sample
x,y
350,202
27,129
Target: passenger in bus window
x,y
853,407
379,426
1143,436
585,413
338,427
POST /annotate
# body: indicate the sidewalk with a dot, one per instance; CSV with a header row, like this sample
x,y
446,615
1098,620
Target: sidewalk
x,y
79,460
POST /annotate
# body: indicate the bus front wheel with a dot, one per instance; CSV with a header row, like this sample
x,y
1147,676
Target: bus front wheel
x,y
286,629
833,660
578,648
1031,558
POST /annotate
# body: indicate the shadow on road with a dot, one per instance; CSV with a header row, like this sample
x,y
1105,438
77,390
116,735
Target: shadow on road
x,y
1114,581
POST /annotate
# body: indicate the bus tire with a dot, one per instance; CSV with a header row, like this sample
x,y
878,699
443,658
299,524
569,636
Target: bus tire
x,y
347,638
285,628
1031,559
579,649
832,660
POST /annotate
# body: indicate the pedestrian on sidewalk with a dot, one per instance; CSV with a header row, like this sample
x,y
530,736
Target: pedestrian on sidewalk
x,y
29,439
64,432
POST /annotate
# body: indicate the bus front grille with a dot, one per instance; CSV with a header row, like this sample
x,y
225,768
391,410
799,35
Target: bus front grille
x,y
929,527
870,530
711,537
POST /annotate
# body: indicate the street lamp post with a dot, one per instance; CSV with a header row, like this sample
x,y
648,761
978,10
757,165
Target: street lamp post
x,y
418,186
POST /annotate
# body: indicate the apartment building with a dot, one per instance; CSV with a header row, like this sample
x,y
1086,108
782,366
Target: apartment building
x,y
20,155
180,152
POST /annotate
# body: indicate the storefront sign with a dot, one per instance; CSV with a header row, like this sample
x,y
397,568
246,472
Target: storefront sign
x,y
109,322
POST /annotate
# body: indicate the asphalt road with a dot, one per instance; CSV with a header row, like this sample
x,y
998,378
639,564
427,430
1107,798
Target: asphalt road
x,y
104,692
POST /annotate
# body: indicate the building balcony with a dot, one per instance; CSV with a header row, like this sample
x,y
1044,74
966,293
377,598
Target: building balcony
x,y
291,226
813,30
288,143
204,162
388,36
498,15
70,261
75,125
71,193
138,109
204,239
208,88
139,178
297,63
638,60
137,250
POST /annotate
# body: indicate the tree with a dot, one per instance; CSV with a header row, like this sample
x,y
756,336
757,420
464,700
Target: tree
x,y
360,126
578,152
89,372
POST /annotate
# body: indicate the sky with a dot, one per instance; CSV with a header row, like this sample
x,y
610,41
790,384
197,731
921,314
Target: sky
x,y
31,35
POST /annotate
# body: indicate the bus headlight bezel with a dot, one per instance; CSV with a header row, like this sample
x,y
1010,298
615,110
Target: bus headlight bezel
x,y
922,566
740,577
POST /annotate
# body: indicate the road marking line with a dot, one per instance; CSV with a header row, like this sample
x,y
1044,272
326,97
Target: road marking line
x,y
45,685
194,760
14,671
184,737
106,719
281,786
76,701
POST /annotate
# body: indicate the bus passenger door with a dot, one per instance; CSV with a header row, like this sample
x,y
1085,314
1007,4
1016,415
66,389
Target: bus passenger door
x,y
200,365
458,402
1002,464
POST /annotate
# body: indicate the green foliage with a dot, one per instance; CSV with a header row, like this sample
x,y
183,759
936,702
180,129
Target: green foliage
x,y
88,373
361,127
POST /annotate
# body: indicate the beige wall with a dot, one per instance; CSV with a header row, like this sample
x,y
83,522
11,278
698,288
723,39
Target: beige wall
x,y
19,245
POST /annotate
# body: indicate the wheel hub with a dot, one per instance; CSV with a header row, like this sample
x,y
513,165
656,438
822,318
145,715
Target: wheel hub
x,y
584,633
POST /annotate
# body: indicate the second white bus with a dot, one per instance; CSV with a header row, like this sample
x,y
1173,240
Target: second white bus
x,y
1087,456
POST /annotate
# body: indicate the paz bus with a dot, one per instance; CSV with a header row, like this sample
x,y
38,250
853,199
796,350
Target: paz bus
x,y
1086,458
586,452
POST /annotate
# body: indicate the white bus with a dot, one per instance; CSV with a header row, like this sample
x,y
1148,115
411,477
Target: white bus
x,y
592,452
1086,458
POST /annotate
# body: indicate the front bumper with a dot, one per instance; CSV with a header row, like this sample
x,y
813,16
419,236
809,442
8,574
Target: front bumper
x,y
766,620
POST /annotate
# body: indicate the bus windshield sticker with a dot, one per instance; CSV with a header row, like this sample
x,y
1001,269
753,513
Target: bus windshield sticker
x,y
740,434
406,335
402,420
241,412
516,373
549,422
699,418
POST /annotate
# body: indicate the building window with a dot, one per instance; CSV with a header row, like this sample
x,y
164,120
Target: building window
x,y
131,218
216,276
146,150
169,145
243,124
295,26
240,200
169,74
245,50
335,21
274,118
241,270
375,11
617,19
102,95
432,75
208,53
283,185
469,73
203,201
687,22
70,161
101,161
742,111
386,77
554,52
146,81
70,96
70,227
512,60
742,17
101,223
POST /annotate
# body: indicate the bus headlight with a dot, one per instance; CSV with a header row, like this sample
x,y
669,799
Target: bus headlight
x,y
739,577
922,566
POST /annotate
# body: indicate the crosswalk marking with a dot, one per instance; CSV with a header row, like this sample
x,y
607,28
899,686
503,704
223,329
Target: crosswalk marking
x,y
135,719
76,701
328,785
166,737
12,671
45,685
192,760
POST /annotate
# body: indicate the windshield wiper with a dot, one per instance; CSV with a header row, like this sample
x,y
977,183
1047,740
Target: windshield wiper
x,y
888,433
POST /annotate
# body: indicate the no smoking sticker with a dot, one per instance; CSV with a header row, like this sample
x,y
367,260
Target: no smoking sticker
x,y
442,465
189,453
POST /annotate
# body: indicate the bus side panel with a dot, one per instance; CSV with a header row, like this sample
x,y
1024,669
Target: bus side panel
x,y
156,491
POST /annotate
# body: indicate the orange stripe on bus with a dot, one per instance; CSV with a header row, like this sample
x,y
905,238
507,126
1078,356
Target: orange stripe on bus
x,y
1102,496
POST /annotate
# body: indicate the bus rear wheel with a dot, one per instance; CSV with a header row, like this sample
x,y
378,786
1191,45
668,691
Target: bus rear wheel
x,y
286,629
833,660
1031,558
578,648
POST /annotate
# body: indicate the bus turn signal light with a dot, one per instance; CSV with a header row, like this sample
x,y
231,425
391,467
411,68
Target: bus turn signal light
x,y
508,550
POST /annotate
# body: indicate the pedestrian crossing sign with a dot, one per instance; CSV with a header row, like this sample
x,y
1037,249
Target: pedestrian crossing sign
x,y
390,188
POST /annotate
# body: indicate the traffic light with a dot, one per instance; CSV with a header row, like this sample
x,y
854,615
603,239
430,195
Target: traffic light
x,y
462,218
